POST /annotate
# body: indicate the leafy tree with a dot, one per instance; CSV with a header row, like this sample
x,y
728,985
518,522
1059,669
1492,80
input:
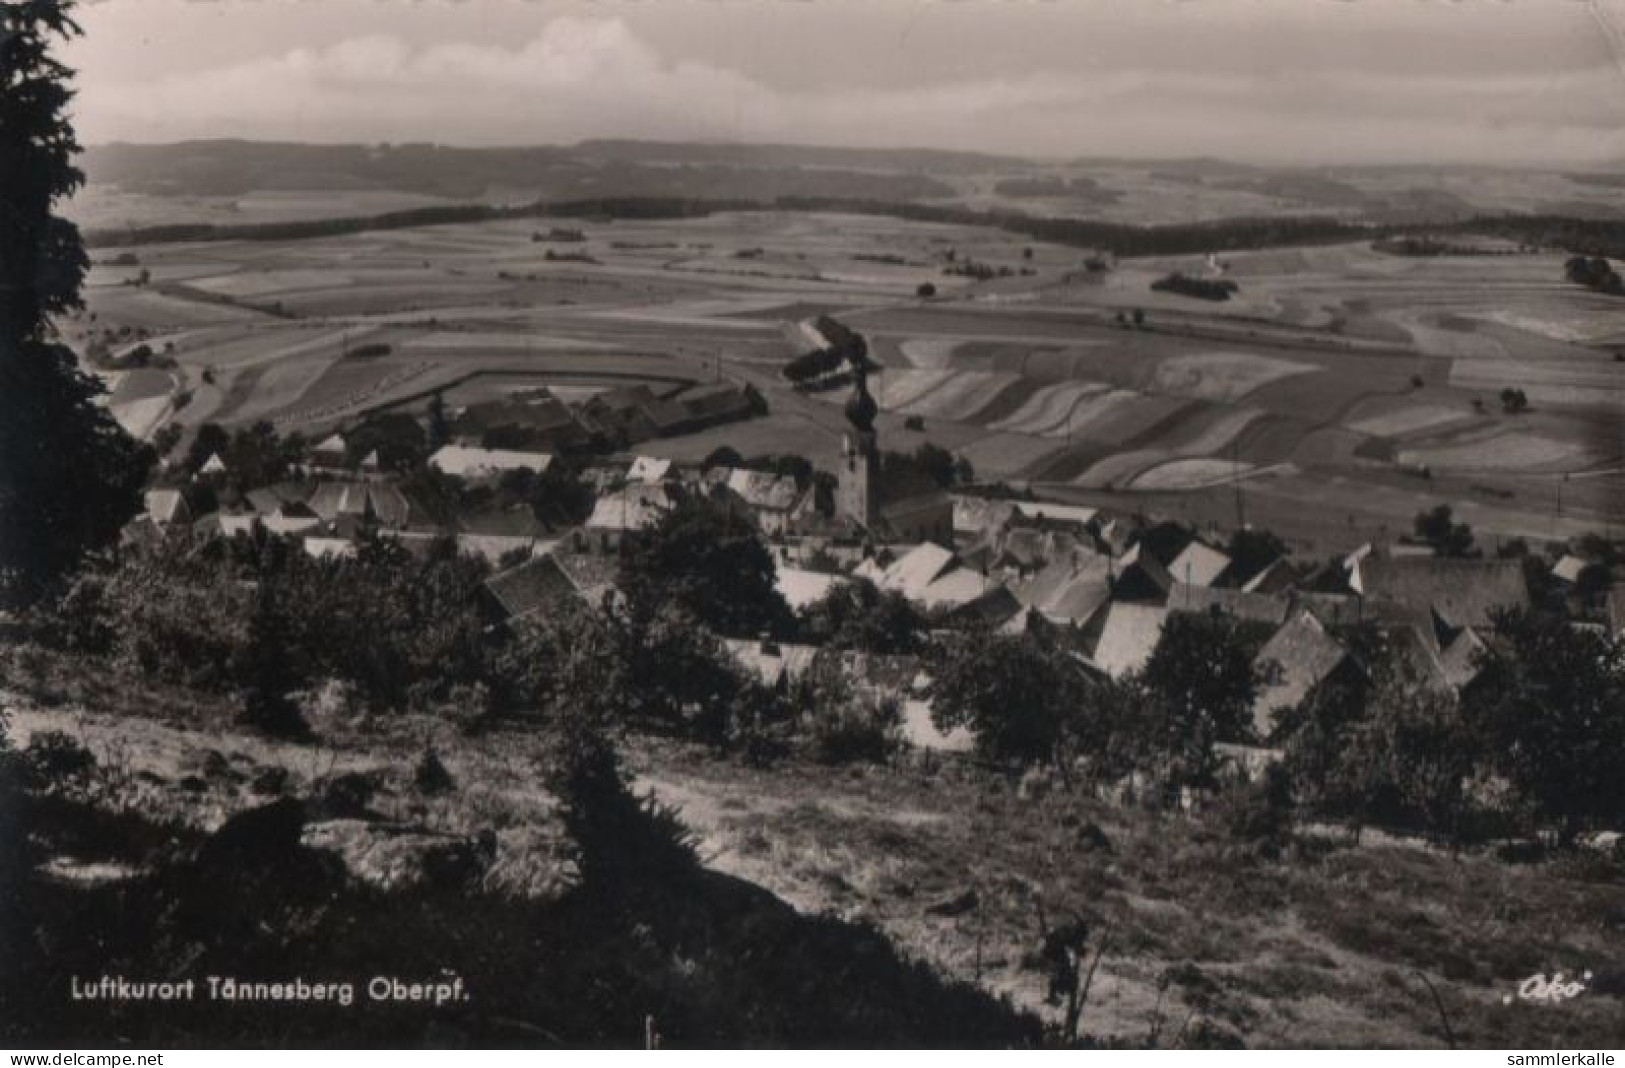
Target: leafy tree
x,y
211,439
1551,708
857,615
687,683
166,438
267,668
256,455
439,422
1514,401
1439,529
1384,750
925,291
556,497
722,456
930,461
708,562
70,478
1202,669
1117,730
1017,695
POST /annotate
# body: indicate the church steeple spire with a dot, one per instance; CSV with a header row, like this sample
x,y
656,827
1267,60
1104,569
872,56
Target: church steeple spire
x,y
861,408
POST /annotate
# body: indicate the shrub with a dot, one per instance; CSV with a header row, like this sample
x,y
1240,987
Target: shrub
x,y
1258,813
847,729
1200,288
53,757
431,776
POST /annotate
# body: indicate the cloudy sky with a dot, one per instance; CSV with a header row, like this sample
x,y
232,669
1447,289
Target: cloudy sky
x,y
1493,81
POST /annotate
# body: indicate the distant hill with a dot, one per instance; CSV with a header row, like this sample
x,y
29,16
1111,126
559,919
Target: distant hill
x,y
780,155
598,169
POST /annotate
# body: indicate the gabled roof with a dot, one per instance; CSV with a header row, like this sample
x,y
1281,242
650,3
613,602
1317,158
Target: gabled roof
x,y
977,515
468,462
996,606
801,588
1461,593
1141,576
715,400
1198,564
389,504
331,445
1306,656
233,525
1277,576
649,469
1051,512
954,588
1021,547
1257,607
214,465
1127,636
1460,658
533,586
1414,654
764,490
291,519
166,506
323,546
772,662
1569,567
493,547
916,569
1070,589
870,569
633,507
593,575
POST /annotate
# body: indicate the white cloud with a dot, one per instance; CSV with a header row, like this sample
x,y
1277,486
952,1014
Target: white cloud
x,y
582,77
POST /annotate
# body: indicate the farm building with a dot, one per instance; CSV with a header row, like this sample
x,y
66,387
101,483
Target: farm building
x,y
291,517
166,506
633,507
773,664
1050,515
1121,637
719,402
469,462
975,517
1459,593
649,470
1241,604
1460,659
1305,656
771,498
801,588
539,584
328,454
1199,565
1141,577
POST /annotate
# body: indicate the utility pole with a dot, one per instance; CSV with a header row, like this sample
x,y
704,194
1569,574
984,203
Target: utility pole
x,y
1235,473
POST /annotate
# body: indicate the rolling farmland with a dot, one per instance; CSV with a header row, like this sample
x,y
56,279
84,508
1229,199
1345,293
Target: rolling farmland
x,y
1346,376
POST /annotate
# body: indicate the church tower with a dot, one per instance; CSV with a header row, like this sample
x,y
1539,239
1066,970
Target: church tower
x,y
858,484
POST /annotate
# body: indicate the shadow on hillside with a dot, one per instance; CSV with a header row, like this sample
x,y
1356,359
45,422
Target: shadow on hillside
x,y
711,959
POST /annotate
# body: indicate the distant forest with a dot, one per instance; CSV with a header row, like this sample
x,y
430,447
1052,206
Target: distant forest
x,y
1589,237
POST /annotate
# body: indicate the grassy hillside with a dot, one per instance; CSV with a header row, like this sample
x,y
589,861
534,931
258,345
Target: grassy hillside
x,y
826,906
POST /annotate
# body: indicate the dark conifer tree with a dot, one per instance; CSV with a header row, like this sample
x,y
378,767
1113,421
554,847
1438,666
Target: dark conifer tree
x,y
69,476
